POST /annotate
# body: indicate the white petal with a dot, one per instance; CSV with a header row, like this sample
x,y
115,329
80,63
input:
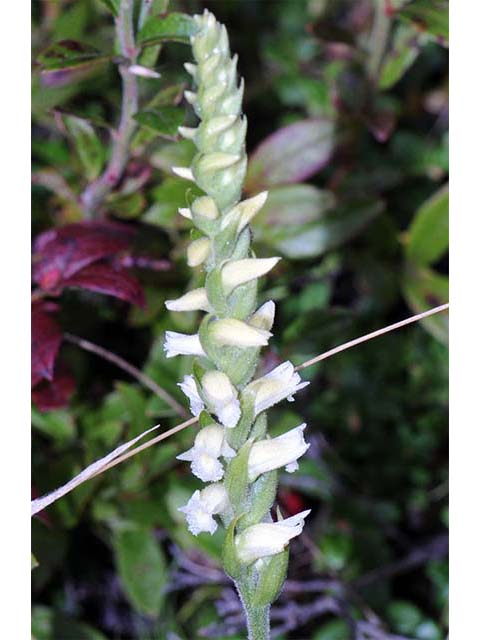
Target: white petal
x,y
189,388
183,172
195,300
237,272
207,468
264,316
280,383
197,251
182,344
236,333
284,450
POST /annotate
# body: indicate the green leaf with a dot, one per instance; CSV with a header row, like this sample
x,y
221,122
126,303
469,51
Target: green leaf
x,y
263,494
164,121
290,205
112,5
175,26
88,147
142,569
333,630
127,205
404,616
402,54
69,53
48,624
168,197
291,154
230,562
427,237
58,424
424,289
34,562
236,477
335,228
272,577
336,549
428,15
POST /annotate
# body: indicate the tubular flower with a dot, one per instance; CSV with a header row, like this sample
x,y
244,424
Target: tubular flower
x,y
282,382
236,333
195,300
209,445
283,451
268,538
221,397
189,388
181,344
202,506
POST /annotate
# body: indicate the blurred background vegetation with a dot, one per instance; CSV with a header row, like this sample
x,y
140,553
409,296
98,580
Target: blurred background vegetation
x,y
348,128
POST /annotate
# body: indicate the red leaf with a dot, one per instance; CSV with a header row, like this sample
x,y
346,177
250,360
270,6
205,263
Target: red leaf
x,y
62,252
104,278
46,339
54,394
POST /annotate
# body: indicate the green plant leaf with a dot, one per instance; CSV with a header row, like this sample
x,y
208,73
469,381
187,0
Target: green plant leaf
x,y
427,237
112,6
127,205
290,205
34,562
230,561
402,54
333,630
164,121
88,147
424,289
175,26
142,569
236,477
428,15
404,616
69,53
335,228
272,577
291,154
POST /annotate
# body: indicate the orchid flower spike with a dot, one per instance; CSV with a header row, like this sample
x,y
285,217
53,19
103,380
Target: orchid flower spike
x,y
202,506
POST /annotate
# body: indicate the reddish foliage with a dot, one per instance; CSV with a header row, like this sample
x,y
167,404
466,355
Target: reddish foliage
x,y
105,278
46,340
56,393
62,252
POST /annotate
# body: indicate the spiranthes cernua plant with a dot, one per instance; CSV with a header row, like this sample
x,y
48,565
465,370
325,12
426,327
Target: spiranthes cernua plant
x,y
232,452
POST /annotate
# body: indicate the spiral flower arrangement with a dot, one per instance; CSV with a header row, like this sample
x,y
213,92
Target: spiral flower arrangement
x,y
232,452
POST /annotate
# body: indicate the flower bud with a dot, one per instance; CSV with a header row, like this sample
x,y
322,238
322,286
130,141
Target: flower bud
x,y
209,445
195,300
221,397
264,316
235,333
282,382
245,210
283,451
205,207
202,506
197,252
185,212
187,132
237,272
268,539
181,344
184,172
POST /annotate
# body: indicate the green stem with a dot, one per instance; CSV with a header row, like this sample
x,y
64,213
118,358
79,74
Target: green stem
x,y
258,618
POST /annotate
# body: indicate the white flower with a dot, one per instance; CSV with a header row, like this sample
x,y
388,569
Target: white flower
x,y
284,450
245,211
183,172
209,445
197,251
202,506
267,539
195,300
280,383
181,344
221,397
236,333
189,388
237,272
264,316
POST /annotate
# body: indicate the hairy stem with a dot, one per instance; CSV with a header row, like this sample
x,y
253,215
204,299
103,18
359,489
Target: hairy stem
x,y
257,618
96,192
